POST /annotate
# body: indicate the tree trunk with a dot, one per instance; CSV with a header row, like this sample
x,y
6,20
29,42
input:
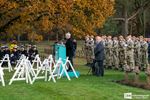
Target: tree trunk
x,y
126,22
126,27
131,28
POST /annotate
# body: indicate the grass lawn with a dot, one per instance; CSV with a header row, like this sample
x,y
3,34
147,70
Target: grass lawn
x,y
86,87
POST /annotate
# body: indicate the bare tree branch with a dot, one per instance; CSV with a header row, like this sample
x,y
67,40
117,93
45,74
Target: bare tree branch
x,y
2,28
134,15
145,6
118,19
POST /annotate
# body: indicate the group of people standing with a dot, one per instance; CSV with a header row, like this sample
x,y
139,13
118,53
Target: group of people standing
x,y
15,52
126,53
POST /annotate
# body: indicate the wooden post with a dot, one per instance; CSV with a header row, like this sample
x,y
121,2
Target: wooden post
x,y
126,24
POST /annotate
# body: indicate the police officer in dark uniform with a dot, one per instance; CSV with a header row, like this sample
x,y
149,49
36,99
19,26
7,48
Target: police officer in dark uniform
x,y
33,52
23,51
14,55
6,51
2,52
29,52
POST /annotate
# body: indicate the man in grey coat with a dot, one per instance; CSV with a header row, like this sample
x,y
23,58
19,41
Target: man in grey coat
x,y
99,57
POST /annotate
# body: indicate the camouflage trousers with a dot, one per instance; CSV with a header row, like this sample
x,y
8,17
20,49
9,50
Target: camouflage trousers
x,y
108,58
144,60
115,59
130,59
122,58
137,58
89,54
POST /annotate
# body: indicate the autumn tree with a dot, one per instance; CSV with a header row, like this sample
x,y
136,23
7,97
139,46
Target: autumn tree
x,y
81,17
90,14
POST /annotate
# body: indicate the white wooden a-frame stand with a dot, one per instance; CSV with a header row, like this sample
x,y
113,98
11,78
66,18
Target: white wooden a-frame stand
x,y
7,60
1,76
18,61
65,66
38,63
47,68
58,69
23,72
51,60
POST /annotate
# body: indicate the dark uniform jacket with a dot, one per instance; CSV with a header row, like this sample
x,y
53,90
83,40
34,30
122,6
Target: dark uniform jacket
x,y
69,48
24,52
99,52
6,52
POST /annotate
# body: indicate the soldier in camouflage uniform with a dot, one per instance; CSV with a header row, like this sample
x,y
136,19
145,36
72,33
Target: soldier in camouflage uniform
x,y
144,53
115,53
104,42
86,47
130,54
122,52
137,47
134,38
91,49
108,50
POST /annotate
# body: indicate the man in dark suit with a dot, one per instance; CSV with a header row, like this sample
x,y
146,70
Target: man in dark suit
x,y
14,55
69,49
99,57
